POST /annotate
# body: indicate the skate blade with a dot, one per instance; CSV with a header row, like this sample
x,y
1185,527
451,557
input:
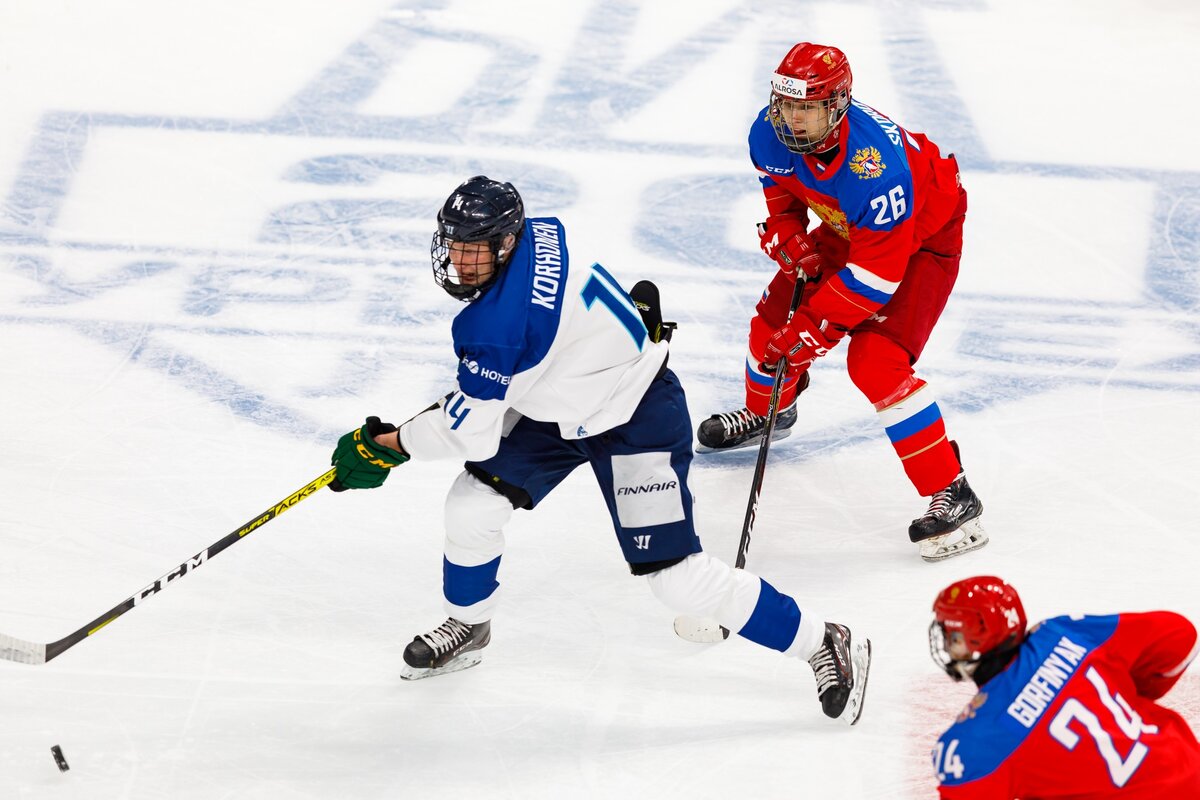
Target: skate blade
x,y
456,664
861,660
971,536
700,630
753,442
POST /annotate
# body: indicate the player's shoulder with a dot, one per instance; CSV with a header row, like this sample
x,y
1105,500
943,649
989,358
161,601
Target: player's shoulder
x,y
874,149
530,289
1124,636
766,151
870,126
1073,631
543,229
1049,657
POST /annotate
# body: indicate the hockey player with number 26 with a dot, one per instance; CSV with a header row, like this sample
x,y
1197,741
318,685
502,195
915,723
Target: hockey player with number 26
x,y
879,270
558,368
1066,709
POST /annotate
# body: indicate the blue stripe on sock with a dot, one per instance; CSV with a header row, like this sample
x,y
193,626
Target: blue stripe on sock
x,y
757,377
465,586
775,620
917,422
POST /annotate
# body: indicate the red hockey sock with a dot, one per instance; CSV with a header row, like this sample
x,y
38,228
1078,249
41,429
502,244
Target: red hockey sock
x,y
907,410
912,420
758,382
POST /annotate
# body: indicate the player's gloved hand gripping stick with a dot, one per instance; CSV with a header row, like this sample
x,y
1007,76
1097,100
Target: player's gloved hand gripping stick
x,y
699,629
785,239
361,462
21,651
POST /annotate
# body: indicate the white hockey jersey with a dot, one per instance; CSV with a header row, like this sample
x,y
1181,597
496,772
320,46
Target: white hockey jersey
x,y
549,342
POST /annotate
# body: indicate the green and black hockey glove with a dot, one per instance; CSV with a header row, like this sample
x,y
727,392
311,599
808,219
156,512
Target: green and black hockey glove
x,y
360,462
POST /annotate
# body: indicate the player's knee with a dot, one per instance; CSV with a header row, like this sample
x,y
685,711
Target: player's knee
x,y
704,586
760,332
877,365
472,505
773,308
670,586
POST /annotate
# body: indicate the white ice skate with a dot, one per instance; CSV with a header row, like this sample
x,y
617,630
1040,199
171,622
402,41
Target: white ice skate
x,y
969,536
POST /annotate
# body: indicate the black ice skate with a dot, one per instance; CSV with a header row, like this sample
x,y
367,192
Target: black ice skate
x,y
841,667
450,647
743,428
952,524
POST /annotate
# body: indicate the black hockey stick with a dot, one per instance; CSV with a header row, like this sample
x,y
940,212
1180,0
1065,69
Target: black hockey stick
x,y
700,629
23,652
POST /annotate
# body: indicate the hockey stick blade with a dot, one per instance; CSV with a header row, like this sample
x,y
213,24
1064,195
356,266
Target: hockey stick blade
x,y
23,652
700,629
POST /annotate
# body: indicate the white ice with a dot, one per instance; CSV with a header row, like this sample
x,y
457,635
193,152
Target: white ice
x,y
213,261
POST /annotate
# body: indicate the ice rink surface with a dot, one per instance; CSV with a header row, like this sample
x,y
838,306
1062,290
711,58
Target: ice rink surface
x,y
214,228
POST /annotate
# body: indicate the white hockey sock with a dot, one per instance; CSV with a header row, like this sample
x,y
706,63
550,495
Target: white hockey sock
x,y
706,587
475,516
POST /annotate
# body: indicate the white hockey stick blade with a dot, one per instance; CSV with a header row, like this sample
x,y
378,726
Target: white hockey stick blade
x,y
861,661
971,536
456,664
700,630
21,651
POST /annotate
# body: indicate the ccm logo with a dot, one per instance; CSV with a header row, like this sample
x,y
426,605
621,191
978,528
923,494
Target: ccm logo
x,y
160,584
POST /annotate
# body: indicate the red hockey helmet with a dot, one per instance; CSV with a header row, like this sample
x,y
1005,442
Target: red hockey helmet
x,y
972,618
810,93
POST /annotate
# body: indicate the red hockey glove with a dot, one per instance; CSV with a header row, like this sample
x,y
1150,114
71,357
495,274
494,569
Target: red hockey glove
x,y
801,341
784,239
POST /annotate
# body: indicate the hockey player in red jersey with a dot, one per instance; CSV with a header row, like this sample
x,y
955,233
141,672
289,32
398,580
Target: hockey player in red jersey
x,y
1065,710
879,269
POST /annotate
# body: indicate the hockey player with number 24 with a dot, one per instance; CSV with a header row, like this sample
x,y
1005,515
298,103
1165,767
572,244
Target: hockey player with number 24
x,y
879,270
1066,709
557,368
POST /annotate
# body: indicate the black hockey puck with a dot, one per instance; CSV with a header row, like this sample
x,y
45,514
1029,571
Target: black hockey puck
x,y
59,758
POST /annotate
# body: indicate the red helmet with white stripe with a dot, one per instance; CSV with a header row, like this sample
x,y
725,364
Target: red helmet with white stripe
x,y
810,93
973,618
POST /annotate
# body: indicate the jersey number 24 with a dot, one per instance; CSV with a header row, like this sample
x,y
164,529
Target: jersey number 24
x,y
1120,768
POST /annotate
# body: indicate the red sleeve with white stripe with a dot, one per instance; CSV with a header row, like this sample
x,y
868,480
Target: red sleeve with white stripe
x,y
1159,646
874,268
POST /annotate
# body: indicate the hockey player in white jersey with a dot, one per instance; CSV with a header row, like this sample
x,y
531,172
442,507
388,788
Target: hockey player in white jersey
x,y
556,368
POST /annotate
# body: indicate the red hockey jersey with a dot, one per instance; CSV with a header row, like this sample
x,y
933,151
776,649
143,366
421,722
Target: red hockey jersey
x,y
1073,716
886,192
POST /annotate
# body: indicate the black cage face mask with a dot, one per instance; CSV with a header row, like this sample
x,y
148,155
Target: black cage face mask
x,y
446,276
